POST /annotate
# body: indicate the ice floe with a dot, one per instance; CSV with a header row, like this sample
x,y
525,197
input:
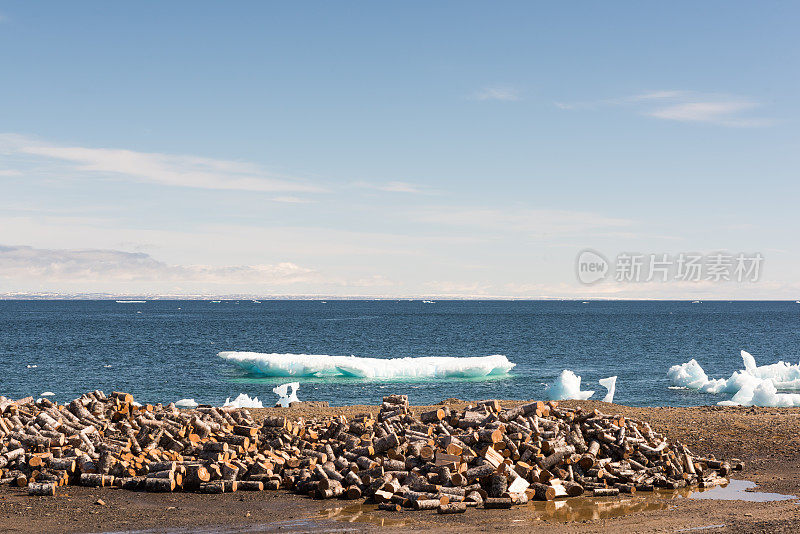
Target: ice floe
x,y
610,384
397,368
286,398
752,386
567,386
47,394
187,403
243,401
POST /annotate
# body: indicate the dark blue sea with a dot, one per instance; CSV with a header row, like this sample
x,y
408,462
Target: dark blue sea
x,y
163,351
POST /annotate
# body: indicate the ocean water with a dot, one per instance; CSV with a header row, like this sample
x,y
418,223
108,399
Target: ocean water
x,y
163,351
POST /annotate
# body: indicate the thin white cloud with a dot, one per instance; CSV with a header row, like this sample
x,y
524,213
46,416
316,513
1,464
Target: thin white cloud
x,y
726,113
10,172
390,187
659,95
292,200
164,169
684,106
500,92
104,266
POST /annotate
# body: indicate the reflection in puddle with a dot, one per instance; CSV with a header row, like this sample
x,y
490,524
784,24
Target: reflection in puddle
x,y
580,508
587,509
363,513
736,491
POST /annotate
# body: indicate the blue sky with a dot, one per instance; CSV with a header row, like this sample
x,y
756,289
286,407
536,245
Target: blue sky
x,y
403,149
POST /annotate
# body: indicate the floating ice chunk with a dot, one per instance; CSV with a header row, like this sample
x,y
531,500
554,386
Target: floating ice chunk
x,y
325,365
783,375
47,394
689,375
749,361
287,398
567,386
243,401
762,393
34,366
610,384
187,403
752,386
766,394
426,367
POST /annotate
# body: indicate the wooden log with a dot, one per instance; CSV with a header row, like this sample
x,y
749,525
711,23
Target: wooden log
x,y
251,485
432,416
196,475
96,480
542,492
427,504
217,486
498,484
573,489
40,489
497,503
452,508
159,485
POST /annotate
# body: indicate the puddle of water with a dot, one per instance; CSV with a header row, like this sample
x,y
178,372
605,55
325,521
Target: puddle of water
x,y
707,527
587,508
365,513
580,508
736,490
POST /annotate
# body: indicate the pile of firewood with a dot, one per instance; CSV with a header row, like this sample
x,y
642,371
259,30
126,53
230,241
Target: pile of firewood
x,y
440,459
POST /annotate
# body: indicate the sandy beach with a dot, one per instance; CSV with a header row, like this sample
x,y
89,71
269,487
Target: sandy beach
x,y
767,439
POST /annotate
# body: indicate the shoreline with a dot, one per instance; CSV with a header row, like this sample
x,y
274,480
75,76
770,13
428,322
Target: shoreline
x,y
767,439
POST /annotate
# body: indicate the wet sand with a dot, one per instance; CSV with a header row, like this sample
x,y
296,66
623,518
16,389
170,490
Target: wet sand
x,y
767,439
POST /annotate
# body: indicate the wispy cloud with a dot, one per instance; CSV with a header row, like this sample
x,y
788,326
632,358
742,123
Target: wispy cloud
x,y
153,167
292,200
104,266
10,172
498,92
390,187
659,95
541,222
723,113
684,106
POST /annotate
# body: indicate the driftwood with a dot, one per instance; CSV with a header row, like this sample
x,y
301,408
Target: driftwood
x,y
483,456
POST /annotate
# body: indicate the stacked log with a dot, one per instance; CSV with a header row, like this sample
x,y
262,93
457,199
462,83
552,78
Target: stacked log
x,y
483,456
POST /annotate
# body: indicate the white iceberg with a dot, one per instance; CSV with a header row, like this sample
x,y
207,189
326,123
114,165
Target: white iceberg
x,y
763,393
610,384
325,365
287,398
47,394
243,401
187,403
688,375
752,386
567,386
